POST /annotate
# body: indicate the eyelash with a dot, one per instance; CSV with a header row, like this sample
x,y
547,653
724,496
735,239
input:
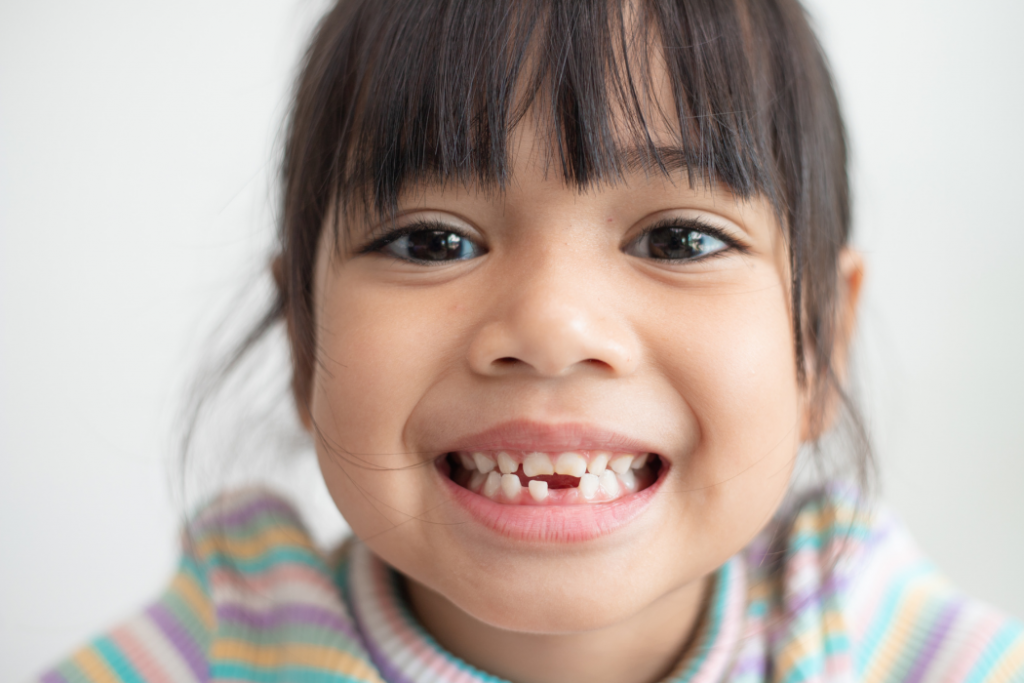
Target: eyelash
x,y
690,225
380,244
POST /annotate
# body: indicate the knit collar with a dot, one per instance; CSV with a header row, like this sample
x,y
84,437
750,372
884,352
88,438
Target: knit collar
x,y
405,653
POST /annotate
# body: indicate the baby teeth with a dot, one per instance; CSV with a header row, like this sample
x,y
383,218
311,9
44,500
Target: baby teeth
x,y
538,490
536,464
570,463
506,464
628,479
467,462
598,463
639,461
492,484
588,485
483,462
620,463
476,480
610,483
511,487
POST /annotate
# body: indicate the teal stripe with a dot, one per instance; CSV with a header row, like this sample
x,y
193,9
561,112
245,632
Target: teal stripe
x,y
811,540
883,617
116,660
708,640
271,559
243,672
997,647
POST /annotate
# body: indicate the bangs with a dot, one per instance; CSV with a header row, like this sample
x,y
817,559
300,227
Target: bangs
x,y
432,91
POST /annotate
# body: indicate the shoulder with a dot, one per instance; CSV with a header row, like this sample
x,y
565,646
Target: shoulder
x,y
848,592
252,597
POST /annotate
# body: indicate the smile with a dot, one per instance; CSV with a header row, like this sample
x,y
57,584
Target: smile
x,y
560,483
578,477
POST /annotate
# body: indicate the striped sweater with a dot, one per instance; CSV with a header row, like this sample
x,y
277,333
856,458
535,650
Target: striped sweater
x,y
833,594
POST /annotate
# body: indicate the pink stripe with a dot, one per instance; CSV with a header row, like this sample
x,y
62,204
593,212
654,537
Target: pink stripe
x,y
139,657
272,578
973,649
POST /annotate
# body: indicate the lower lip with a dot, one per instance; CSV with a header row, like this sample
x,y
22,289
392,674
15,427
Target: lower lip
x,y
553,523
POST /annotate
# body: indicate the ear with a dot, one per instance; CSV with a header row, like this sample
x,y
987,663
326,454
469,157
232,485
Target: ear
x,y
299,383
849,282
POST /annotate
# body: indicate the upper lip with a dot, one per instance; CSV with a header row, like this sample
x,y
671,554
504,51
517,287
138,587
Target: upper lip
x,y
527,435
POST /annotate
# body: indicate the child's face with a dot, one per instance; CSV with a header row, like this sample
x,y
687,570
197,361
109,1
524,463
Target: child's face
x,y
550,323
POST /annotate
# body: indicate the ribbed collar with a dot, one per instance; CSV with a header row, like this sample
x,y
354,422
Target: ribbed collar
x,y
405,653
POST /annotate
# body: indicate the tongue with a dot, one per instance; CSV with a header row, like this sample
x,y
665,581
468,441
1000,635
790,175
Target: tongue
x,y
555,481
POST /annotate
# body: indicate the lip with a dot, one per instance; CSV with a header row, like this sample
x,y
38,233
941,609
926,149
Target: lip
x,y
525,435
551,523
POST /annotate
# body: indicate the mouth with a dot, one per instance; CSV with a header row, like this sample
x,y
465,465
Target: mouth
x,y
538,478
536,482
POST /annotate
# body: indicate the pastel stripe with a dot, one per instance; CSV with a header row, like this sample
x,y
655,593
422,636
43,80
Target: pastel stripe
x,y
149,668
182,641
936,637
838,594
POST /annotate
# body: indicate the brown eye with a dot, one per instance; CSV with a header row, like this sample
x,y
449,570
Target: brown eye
x,y
675,243
432,246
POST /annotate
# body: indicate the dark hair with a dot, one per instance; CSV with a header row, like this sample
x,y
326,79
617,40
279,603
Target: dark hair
x,y
395,91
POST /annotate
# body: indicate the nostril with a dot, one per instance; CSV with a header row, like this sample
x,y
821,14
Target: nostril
x,y
508,360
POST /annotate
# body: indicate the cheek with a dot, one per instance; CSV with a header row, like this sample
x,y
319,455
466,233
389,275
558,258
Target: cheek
x,y
376,358
733,363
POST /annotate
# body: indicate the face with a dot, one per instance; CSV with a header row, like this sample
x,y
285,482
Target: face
x,y
642,328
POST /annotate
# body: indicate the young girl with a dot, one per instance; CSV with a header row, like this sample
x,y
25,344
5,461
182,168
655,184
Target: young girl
x,y
567,288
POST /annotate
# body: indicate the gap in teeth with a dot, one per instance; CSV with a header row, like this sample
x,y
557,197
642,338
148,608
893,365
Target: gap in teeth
x,y
595,475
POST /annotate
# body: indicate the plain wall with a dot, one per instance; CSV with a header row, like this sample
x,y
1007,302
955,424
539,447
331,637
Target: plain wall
x,y
137,152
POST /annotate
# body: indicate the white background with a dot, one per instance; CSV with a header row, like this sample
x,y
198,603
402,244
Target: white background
x,y
137,151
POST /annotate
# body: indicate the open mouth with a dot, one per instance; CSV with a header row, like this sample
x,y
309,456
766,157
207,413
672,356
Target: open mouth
x,y
579,477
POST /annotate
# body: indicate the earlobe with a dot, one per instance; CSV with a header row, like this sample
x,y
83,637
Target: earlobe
x,y
299,384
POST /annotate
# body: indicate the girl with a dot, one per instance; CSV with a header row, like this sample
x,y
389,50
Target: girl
x,y
567,287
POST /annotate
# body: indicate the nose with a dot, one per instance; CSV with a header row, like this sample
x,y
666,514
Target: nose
x,y
552,322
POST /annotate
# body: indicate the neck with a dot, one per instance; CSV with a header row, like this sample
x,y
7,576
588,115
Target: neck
x,y
641,649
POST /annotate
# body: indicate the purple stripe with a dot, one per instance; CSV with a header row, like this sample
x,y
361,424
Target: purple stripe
x,y
931,646
388,671
181,639
245,513
53,677
307,615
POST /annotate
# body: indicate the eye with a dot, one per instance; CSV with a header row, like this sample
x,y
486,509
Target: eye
x,y
678,241
427,244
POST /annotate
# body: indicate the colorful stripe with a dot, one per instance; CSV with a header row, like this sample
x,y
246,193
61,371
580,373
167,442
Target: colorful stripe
x,y
837,593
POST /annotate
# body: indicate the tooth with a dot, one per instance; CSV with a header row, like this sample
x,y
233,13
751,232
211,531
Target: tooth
x,y
588,485
506,464
570,463
639,461
598,462
536,464
467,462
510,486
538,490
483,462
610,483
620,463
476,480
628,480
492,484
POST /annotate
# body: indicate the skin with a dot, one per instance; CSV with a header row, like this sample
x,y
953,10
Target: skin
x,y
558,323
